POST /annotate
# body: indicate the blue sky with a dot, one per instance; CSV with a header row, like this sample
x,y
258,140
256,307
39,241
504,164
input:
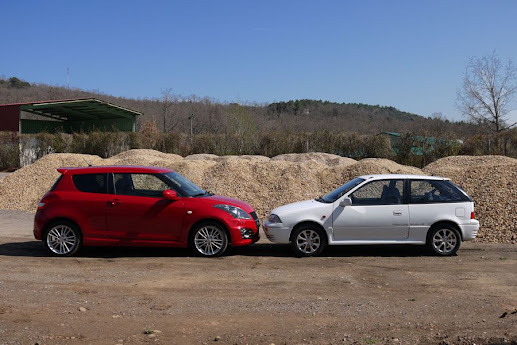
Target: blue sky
x,y
407,54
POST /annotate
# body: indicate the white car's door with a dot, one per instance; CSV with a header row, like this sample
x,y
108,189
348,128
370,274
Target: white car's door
x,y
378,212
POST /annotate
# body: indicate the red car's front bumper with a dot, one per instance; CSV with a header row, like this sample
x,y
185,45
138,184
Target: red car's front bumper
x,y
243,232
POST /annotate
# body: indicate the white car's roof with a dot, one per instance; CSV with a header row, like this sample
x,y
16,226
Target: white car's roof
x,y
401,176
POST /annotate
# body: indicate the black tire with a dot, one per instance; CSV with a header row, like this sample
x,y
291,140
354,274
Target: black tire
x,y
308,240
443,240
209,239
63,238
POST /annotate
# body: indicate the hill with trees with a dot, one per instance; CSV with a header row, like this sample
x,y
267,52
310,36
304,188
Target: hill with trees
x,y
171,113
190,125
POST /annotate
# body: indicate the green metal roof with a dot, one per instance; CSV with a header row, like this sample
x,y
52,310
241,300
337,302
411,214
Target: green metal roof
x,y
392,133
79,110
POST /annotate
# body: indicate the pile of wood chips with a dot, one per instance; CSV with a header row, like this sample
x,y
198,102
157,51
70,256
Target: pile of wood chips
x,y
267,183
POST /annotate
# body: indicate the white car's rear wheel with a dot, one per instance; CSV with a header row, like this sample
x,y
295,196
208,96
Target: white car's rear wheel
x,y
444,240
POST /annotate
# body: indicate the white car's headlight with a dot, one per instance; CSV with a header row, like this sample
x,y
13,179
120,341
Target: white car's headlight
x,y
273,218
234,211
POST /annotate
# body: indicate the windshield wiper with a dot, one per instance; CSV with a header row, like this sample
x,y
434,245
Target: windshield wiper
x,y
202,194
320,199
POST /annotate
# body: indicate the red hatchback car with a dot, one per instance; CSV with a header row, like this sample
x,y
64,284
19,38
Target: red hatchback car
x,y
139,206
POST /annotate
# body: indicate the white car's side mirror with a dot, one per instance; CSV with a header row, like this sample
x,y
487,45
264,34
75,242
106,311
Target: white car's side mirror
x,y
345,202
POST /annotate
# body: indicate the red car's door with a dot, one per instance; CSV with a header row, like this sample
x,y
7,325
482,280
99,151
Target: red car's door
x,y
89,204
138,212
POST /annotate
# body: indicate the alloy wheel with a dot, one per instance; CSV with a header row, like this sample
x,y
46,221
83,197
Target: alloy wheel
x,y
445,241
209,240
62,239
308,241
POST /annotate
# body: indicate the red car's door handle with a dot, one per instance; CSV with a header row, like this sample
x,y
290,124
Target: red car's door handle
x,y
113,202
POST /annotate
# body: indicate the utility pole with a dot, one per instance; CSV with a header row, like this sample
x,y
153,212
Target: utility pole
x,y
191,117
68,76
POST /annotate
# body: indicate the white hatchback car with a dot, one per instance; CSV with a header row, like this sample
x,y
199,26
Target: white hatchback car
x,y
378,209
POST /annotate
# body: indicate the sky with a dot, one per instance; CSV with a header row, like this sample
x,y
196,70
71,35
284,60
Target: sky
x,y
408,54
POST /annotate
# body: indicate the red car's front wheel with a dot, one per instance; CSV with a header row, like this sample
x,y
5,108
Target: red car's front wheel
x,y
209,239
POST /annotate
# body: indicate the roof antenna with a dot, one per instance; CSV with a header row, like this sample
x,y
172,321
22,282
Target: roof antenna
x,y
89,164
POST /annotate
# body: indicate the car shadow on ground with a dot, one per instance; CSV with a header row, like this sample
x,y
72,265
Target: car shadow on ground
x,y
36,249
283,250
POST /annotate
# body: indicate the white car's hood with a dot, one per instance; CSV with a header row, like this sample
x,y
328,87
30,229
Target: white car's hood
x,y
302,207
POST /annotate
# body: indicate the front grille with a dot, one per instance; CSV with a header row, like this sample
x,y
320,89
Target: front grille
x,y
255,218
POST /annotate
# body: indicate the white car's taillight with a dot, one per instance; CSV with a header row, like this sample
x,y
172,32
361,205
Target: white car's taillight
x,y
472,215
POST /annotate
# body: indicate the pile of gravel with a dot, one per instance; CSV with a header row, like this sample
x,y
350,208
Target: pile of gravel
x,y
267,183
492,183
323,158
263,182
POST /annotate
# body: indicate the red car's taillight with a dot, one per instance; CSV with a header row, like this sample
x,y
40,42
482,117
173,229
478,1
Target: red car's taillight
x,y
46,199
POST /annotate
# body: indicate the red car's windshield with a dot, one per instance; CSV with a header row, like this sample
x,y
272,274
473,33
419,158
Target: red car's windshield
x,y
184,185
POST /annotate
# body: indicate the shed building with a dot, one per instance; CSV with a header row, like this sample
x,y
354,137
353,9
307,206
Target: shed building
x,y
72,115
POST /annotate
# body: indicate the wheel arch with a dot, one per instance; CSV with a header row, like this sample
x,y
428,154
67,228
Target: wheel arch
x,y
308,222
209,220
442,223
52,221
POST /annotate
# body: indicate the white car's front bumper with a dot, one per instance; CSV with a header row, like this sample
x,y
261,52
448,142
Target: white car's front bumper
x,y
276,232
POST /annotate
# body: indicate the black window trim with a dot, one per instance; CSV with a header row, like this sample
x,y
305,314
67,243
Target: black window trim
x,y
57,182
466,197
112,190
90,173
405,195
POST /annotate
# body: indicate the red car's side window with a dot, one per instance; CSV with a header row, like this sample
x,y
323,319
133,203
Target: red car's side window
x,y
139,185
91,183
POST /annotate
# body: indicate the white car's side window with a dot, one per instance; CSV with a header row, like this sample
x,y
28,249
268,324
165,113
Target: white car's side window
x,y
426,191
382,192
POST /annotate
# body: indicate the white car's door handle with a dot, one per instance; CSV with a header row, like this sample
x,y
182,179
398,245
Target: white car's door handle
x,y
397,213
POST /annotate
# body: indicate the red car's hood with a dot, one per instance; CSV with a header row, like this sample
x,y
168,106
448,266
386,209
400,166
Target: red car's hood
x,y
218,199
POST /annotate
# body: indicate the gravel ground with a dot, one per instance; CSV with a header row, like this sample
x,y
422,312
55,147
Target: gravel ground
x,y
255,295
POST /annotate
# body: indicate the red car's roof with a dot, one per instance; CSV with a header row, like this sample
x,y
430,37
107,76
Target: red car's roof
x,y
113,169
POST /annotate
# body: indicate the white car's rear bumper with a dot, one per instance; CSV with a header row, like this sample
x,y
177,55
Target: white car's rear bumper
x,y
470,230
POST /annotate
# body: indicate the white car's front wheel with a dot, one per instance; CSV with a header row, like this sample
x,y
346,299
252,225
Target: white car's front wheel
x,y
308,240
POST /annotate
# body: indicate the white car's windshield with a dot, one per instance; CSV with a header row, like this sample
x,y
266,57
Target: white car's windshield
x,y
339,192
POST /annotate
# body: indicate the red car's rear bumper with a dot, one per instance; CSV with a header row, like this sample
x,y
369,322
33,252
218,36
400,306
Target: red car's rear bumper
x,y
39,223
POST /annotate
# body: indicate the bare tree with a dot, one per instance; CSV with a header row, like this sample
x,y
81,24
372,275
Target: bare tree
x,y
166,104
488,88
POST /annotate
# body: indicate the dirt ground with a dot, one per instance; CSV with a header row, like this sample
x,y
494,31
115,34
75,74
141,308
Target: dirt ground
x,y
253,295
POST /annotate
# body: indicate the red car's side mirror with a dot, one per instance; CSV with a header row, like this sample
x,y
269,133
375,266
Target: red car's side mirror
x,y
170,195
